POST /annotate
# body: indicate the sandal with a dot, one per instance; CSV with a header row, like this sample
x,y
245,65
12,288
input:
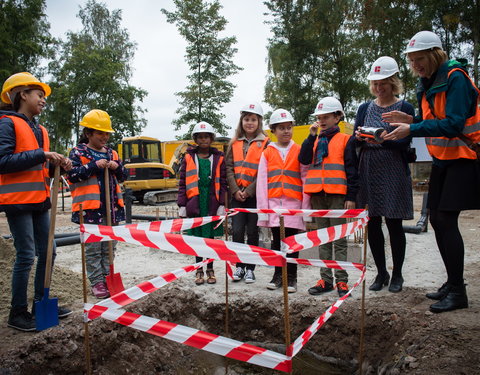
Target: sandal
x,y
211,277
199,278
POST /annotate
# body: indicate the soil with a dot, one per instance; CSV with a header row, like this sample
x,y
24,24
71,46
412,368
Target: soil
x,y
401,335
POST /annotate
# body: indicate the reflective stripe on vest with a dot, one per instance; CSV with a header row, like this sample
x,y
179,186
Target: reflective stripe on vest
x,y
283,176
451,148
88,192
31,185
246,169
191,177
329,176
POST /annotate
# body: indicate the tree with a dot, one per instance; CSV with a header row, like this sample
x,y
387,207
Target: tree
x,y
24,37
209,58
93,70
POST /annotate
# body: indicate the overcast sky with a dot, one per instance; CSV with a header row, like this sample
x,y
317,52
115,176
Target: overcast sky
x,y
159,65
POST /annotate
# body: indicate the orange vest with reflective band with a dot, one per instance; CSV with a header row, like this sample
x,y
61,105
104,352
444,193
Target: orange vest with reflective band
x,y
87,192
246,170
31,185
283,176
191,177
451,148
329,176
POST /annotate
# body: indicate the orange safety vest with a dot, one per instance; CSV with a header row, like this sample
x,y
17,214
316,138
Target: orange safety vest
x,y
33,184
191,177
283,176
451,148
87,192
246,169
330,175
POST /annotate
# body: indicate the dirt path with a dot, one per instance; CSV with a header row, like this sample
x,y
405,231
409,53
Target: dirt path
x,y
402,336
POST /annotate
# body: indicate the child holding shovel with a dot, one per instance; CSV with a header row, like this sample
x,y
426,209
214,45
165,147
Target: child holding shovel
x,y
90,158
25,158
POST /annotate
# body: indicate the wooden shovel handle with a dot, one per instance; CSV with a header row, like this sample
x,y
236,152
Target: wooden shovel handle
x,y
108,211
51,231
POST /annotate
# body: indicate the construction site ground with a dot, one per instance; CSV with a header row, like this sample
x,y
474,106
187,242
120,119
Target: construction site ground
x,y
401,335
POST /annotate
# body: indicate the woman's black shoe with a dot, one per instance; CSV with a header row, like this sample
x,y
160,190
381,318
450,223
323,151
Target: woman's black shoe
x,y
380,282
396,284
455,299
440,293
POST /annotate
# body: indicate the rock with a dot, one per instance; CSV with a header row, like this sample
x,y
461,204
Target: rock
x,y
413,365
428,313
410,359
394,317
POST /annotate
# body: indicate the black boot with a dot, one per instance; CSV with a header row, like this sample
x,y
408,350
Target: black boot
x,y
21,319
440,293
455,299
396,284
380,282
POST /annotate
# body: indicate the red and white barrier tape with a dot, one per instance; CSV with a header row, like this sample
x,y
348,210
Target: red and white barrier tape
x,y
354,213
175,225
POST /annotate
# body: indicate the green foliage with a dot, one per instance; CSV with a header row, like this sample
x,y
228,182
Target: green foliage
x,y
209,58
93,70
24,37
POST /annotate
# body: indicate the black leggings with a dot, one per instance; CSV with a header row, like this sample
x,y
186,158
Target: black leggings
x,y
275,245
450,243
398,242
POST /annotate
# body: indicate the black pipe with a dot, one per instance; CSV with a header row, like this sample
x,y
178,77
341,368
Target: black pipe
x,y
128,199
57,235
66,241
422,223
150,218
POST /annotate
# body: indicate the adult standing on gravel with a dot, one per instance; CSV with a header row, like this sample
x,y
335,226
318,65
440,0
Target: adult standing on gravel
x,y
385,183
449,119
24,190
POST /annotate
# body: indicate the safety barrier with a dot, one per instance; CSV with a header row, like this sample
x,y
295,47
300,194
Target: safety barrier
x,y
154,235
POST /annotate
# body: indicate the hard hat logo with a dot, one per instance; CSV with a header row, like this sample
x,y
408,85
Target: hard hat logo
x,y
252,106
283,115
377,69
320,106
412,43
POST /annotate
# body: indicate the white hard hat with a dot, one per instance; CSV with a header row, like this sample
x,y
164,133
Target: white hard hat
x,y
253,108
382,68
203,127
327,105
280,115
423,40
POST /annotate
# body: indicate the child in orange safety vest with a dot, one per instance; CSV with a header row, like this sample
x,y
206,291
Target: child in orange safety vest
x,y
331,182
242,160
90,158
202,188
280,185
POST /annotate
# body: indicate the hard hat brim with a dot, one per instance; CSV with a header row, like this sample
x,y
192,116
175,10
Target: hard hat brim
x,y
324,112
378,77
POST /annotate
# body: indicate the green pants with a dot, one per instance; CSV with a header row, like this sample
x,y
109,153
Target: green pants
x,y
338,248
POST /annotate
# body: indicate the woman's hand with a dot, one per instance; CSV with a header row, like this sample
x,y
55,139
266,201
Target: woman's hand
x,y
397,116
54,157
401,131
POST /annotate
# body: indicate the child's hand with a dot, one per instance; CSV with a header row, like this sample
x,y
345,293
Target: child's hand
x,y
112,165
314,128
66,164
239,196
349,205
102,163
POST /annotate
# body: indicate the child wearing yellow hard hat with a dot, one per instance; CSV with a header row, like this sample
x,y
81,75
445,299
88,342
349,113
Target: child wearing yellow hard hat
x,y
90,158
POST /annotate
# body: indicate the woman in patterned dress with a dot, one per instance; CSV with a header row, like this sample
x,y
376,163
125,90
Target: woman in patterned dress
x,y
385,182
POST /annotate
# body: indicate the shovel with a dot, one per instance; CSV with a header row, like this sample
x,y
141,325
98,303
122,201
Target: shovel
x,y
46,310
114,280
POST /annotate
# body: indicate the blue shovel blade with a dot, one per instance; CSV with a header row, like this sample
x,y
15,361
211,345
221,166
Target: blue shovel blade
x,y
46,312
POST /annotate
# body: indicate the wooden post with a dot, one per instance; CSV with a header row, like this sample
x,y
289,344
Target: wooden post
x,y
285,291
362,312
86,338
225,224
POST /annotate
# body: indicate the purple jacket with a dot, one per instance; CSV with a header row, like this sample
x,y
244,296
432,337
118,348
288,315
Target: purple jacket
x,y
192,204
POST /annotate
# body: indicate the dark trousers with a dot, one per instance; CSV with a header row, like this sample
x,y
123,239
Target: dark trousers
x,y
242,222
209,265
291,268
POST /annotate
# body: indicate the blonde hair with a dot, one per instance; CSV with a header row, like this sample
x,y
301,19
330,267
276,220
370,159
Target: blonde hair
x,y
435,57
395,81
239,132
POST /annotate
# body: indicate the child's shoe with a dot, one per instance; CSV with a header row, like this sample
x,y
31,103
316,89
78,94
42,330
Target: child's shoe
x,y
292,285
249,277
275,283
22,320
199,280
321,287
211,277
238,274
100,290
342,288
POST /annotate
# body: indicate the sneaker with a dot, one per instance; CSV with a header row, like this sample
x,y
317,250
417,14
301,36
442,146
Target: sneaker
x,y
100,290
342,288
321,287
63,312
21,320
249,277
292,285
238,274
275,283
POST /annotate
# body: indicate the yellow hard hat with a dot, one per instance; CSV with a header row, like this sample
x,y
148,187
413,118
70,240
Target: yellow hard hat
x,y
98,120
17,81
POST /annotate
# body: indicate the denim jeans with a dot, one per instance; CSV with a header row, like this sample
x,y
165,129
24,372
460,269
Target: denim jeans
x,y
30,238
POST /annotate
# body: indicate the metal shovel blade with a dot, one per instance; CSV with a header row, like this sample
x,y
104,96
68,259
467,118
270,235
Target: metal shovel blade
x,y
46,312
114,282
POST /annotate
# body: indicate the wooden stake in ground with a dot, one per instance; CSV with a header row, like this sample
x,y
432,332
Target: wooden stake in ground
x,y
362,312
225,225
285,291
86,339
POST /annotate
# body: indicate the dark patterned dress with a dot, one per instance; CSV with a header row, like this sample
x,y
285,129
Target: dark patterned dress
x,y
385,182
